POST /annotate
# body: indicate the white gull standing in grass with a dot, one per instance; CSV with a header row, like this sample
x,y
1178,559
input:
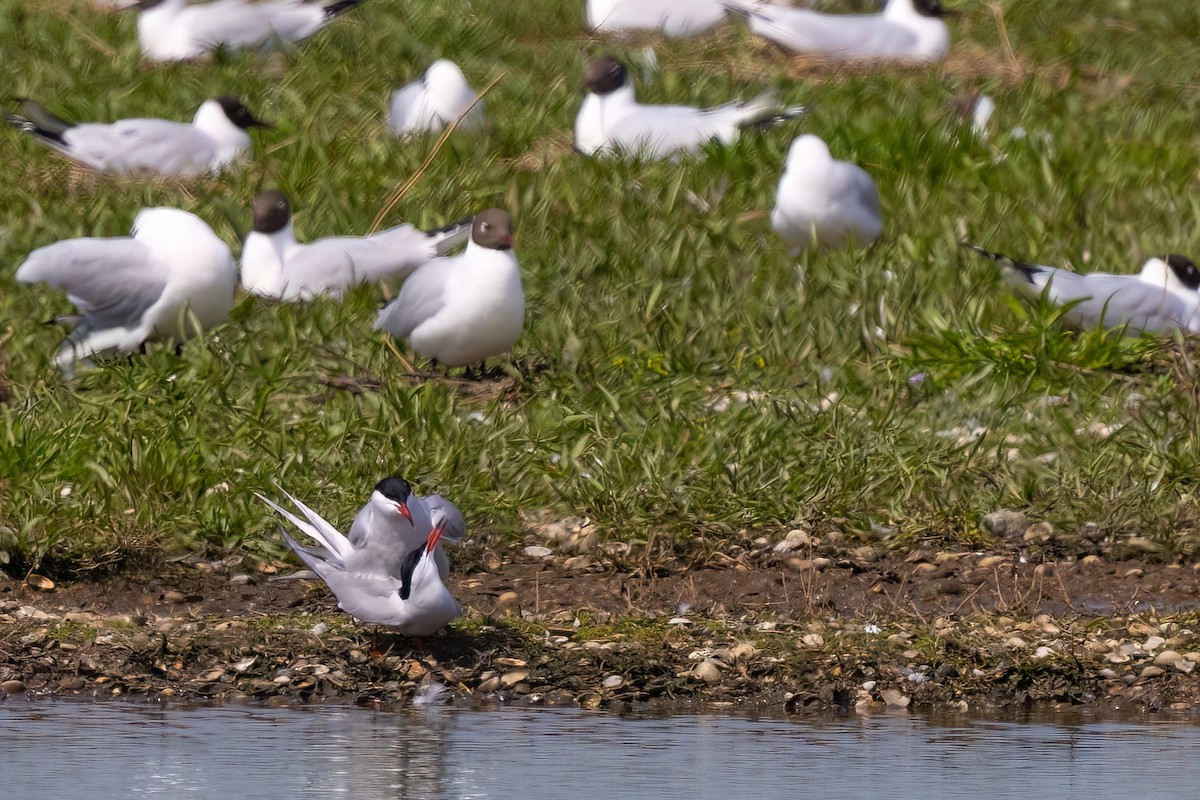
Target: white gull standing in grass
x,y
216,136
416,602
822,202
611,119
432,102
1163,298
173,30
905,29
170,280
461,310
275,265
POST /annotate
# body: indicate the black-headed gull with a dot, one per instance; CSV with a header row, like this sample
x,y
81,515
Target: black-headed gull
x,y
173,30
463,309
1163,298
672,18
171,279
611,119
275,265
216,136
906,29
822,202
416,602
431,103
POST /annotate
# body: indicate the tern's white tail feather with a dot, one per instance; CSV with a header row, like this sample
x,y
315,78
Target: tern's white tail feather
x,y
316,528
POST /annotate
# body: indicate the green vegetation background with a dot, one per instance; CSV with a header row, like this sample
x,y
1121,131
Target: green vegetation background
x,y
681,380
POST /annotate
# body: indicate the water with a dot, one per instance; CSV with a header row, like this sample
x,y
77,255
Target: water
x,y
68,750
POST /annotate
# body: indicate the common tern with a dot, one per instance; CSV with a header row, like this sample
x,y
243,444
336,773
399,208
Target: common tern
x,y
824,203
392,522
463,309
416,602
906,30
275,265
170,279
431,103
1163,298
611,119
173,30
216,136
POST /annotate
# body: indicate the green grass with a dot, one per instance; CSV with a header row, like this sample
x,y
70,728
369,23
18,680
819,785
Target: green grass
x,y
677,381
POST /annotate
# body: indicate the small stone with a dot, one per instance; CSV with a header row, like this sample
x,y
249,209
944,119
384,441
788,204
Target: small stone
x,y
490,685
1152,672
1006,524
1047,570
212,676
869,686
679,621
172,596
894,698
1136,572
511,662
513,677
1185,666
987,562
1038,533
613,682
808,564
167,692
1091,561
240,578
1167,657
795,540
1043,652
12,687
812,640
537,551
357,656
320,629
707,671
925,569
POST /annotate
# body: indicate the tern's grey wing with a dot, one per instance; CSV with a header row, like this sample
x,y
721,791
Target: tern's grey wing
x,y
441,508
421,296
112,281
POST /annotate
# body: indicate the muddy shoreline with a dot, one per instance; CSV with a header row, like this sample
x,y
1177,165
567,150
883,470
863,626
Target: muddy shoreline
x,y
778,632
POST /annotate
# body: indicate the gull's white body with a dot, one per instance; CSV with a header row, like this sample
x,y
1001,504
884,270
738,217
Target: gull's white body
x,y
372,597
899,32
1150,302
207,144
276,265
430,104
462,309
172,279
176,31
617,122
673,18
824,203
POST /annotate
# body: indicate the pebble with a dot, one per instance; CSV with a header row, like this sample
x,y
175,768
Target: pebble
x,y
1092,561
795,540
1167,657
507,599
1185,666
1006,524
613,682
1039,533
537,551
894,698
808,564
742,650
172,596
1043,652
679,621
1154,642
707,671
1152,672
489,685
510,679
1136,572
812,640
987,562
